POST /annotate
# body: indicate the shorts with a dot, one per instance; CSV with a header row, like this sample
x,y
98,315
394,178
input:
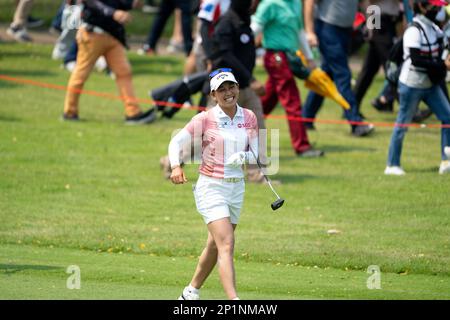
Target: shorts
x,y
217,198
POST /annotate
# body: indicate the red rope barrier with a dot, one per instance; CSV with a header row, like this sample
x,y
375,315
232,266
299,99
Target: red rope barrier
x,y
179,105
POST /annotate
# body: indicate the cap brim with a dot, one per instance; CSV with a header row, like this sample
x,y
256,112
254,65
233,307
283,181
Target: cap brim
x,y
217,80
220,83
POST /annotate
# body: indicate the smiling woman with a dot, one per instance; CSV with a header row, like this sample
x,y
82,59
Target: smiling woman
x,y
227,132
225,91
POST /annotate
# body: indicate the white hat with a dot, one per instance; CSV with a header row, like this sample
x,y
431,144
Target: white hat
x,y
221,77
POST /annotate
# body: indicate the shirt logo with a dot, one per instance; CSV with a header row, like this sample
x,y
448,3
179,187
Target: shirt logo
x,y
244,125
222,125
222,76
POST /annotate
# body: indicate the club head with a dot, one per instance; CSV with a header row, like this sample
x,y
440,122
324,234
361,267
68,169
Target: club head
x,y
277,204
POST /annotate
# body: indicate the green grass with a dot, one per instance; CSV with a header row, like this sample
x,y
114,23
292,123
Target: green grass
x,y
147,276
91,194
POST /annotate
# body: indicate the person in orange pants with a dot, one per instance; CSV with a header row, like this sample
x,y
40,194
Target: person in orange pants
x,y
103,34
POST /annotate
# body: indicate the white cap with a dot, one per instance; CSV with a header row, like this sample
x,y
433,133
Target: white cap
x,y
220,78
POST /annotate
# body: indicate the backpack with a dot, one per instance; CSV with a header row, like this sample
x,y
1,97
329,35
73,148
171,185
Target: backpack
x,y
395,60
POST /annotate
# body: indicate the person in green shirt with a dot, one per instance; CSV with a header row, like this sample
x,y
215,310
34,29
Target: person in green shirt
x,y
280,23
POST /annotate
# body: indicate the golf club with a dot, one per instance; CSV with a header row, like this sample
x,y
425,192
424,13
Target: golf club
x,y
280,201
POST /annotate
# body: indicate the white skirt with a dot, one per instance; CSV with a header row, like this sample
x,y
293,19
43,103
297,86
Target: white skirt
x,y
219,198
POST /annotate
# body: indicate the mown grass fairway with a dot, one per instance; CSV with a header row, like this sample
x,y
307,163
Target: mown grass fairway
x,y
91,194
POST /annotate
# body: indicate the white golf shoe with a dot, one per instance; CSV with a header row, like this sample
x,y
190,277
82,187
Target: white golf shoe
x,y
444,167
190,294
394,171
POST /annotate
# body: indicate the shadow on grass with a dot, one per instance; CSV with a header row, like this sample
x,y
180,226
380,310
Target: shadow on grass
x,y
342,149
14,268
434,169
7,85
173,74
153,60
295,178
327,149
25,73
7,118
23,53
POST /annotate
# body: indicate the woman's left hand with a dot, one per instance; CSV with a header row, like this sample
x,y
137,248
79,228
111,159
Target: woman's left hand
x,y
236,160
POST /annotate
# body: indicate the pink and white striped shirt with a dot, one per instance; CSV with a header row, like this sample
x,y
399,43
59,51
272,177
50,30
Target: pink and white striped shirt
x,y
220,138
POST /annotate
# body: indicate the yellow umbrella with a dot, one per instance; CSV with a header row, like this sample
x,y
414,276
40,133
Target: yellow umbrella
x,y
319,82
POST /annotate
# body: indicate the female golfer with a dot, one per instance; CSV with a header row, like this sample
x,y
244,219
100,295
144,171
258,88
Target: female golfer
x,y
229,139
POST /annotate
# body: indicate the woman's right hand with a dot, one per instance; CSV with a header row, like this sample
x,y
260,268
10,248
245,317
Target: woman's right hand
x,y
177,176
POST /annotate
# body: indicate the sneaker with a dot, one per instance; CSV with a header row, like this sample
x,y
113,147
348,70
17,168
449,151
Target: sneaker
x,y
189,294
394,171
362,130
33,22
70,66
68,117
19,34
142,118
444,167
101,64
311,153
383,106
174,47
146,51
309,126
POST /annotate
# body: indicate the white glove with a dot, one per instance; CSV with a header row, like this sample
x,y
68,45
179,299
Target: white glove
x,y
237,159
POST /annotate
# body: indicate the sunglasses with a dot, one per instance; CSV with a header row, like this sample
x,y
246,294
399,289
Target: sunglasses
x,y
216,72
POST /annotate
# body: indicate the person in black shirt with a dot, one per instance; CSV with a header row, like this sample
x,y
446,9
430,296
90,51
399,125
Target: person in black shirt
x,y
233,46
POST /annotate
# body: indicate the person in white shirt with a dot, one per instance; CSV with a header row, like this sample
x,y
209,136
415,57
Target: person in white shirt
x,y
423,70
229,139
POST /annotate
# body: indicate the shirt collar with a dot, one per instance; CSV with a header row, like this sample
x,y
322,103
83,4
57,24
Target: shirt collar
x,y
222,115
